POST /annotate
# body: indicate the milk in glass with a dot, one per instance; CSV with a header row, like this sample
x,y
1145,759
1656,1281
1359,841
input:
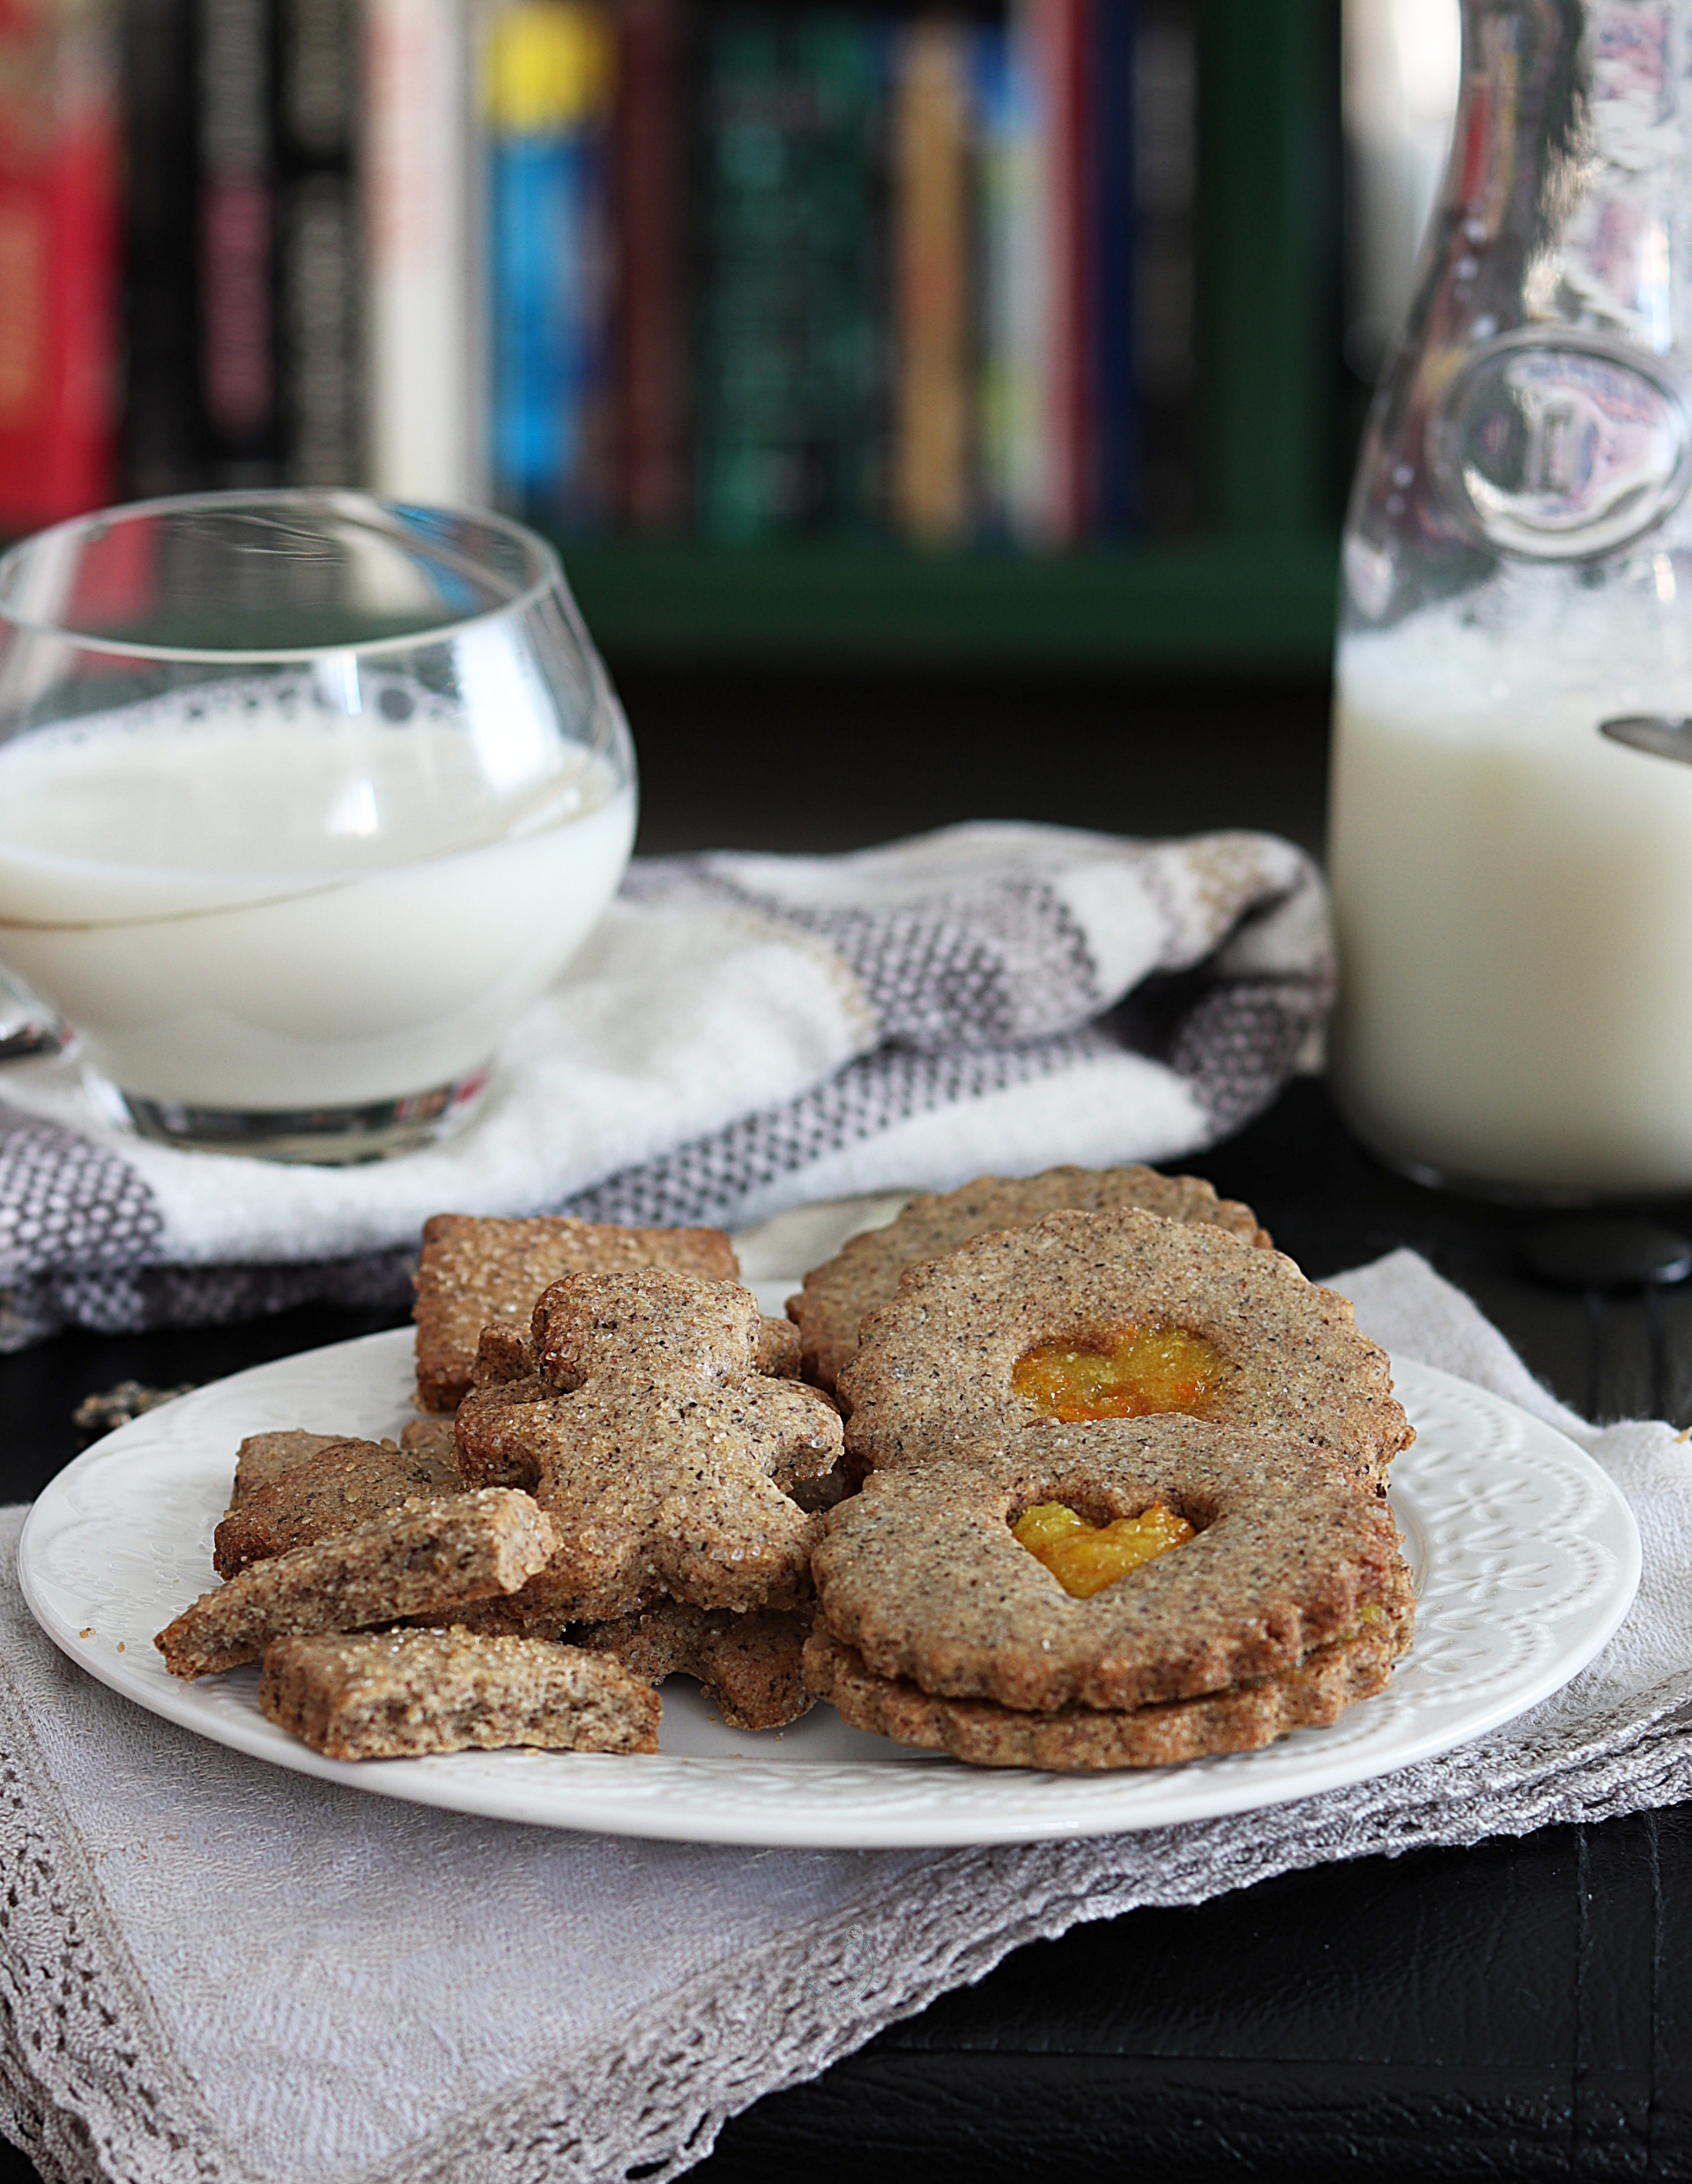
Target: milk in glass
x,y
243,900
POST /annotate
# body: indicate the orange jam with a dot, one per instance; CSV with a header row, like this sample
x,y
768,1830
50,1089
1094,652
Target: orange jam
x,y
1127,1375
1084,1558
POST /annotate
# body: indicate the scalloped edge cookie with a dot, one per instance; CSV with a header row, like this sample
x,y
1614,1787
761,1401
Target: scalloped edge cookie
x,y
921,1574
932,1370
1079,1739
866,1271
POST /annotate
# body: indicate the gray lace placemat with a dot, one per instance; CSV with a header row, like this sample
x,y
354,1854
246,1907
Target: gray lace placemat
x,y
213,1970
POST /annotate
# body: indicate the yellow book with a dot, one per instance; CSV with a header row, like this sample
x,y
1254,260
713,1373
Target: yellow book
x,y
931,123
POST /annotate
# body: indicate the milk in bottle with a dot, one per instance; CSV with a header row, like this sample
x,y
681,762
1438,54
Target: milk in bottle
x,y
1510,838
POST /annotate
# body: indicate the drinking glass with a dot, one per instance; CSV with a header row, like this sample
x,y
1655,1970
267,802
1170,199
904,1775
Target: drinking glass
x,y
304,796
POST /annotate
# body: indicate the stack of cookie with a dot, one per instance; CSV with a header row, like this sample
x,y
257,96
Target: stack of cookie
x,y
336,1549
1110,1493
632,1478
1144,1397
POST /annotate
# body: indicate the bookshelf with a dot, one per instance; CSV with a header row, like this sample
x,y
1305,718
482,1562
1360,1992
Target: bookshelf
x,y
1229,602
1248,585
1252,590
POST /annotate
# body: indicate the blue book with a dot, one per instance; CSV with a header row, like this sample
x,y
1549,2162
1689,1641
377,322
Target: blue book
x,y
550,150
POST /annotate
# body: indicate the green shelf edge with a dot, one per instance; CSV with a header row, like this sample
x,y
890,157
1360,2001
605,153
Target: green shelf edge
x,y
1224,604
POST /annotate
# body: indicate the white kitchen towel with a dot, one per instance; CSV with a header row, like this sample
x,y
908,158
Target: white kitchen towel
x,y
741,1034
214,1971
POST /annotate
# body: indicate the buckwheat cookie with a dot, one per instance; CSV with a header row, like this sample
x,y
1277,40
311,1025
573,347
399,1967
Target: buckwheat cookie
x,y
1098,1315
396,1694
751,1667
866,1271
264,1457
921,1575
659,1452
338,1486
1076,1738
474,1271
433,1437
423,1562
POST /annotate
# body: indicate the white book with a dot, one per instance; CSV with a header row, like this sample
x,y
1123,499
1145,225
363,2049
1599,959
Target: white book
x,y
421,204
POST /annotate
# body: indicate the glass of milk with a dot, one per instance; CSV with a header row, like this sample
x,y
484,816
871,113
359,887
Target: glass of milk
x,y
303,797
1511,830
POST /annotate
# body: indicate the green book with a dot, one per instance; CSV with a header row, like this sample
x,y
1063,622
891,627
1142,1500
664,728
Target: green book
x,y
790,396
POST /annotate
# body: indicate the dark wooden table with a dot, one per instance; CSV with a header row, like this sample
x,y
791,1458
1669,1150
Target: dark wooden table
x,y
1517,2010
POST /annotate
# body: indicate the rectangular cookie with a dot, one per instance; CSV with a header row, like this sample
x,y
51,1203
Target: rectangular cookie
x,y
424,1562
475,1270
347,1484
264,1457
430,1435
396,1694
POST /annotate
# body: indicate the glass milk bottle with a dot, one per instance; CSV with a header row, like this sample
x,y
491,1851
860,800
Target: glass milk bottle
x,y
1511,834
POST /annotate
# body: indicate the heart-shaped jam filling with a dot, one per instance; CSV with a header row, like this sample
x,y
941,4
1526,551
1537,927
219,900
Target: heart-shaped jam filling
x,y
1085,1557
1129,1373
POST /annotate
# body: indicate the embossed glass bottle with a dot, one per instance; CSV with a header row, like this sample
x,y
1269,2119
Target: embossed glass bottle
x,y
1511,834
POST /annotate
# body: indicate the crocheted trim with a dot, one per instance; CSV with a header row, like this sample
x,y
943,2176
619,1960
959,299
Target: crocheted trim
x,y
90,2088
88,2085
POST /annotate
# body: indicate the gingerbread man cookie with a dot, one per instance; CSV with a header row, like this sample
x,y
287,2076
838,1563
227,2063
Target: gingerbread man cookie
x,y
661,1454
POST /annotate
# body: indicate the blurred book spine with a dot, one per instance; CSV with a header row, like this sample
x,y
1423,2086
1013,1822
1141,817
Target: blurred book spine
x,y
1055,39
1165,274
551,73
1112,480
652,265
793,338
423,435
164,431
59,223
932,268
318,284
1010,286
236,237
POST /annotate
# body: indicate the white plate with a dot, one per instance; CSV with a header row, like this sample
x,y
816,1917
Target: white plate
x,y
1526,1558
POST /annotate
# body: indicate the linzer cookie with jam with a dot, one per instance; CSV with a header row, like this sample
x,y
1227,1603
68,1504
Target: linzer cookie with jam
x,y
475,1270
1125,1593
948,1573
866,1271
1117,1314
1077,1739
662,1455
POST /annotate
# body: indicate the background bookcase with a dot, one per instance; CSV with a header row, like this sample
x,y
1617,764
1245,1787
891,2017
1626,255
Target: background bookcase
x,y
1247,588
1252,590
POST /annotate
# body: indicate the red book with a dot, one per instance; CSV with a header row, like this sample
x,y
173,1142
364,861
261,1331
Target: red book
x,y
651,220
59,230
